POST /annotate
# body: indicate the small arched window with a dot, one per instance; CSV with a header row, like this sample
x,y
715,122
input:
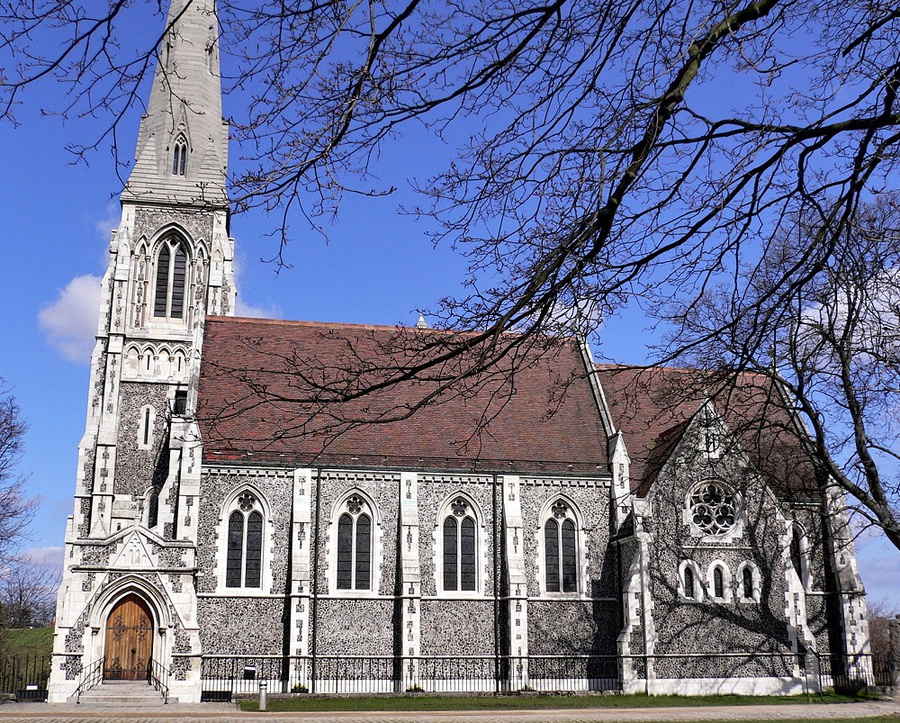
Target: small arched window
x,y
460,543
797,552
354,546
561,549
688,582
171,279
146,420
179,157
718,583
748,582
243,567
690,587
153,508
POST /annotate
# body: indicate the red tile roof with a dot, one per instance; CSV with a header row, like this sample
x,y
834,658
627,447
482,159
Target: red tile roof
x,y
286,392
653,406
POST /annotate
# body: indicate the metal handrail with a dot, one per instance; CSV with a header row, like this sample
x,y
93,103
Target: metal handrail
x,y
158,677
90,677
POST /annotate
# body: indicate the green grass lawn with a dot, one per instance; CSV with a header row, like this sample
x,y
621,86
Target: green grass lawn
x,y
524,702
27,641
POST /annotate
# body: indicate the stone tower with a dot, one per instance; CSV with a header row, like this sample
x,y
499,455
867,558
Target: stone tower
x,y
130,542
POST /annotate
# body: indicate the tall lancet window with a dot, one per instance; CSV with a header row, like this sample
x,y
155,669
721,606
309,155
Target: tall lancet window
x,y
171,278
179,157
460,542
243,567
354,546
561,549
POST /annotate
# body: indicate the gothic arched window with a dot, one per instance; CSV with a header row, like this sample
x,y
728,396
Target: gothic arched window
x,y
354,546
561,549
460,547
243,567
718,580
152,508
718,583
179,157
748,582
690,588
171,279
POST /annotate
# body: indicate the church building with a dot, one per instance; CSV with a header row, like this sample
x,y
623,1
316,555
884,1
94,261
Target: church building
x,y
551,524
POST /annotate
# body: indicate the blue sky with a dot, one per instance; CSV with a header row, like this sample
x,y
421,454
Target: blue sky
x,y
377,266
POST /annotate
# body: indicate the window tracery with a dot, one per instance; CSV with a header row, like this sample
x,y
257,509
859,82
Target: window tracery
x,y
713,508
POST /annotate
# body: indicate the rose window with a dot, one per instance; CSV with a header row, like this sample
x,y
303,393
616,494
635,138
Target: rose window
x,y
712,507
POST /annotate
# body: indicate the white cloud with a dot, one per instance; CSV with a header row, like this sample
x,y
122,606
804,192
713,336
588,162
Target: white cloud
x,y
106,224
255,312
242,308
46,556
70,322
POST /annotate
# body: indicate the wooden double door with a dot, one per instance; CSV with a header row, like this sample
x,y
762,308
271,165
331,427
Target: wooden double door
x,y
129,640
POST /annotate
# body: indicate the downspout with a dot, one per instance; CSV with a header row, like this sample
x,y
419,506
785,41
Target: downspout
x,y
496,588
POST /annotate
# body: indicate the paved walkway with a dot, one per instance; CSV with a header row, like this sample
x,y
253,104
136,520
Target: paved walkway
x,y
205,712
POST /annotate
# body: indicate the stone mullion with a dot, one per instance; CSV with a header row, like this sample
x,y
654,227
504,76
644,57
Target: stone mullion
x,y
410,580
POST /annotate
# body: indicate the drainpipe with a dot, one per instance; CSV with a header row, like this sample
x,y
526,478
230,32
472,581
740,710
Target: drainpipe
x,y
496,588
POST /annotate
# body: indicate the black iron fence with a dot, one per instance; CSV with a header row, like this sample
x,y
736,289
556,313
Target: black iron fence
x,y
854,672
223,676
226,676
25,676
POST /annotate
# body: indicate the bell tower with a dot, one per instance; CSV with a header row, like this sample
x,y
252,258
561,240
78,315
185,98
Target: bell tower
x,y
170,265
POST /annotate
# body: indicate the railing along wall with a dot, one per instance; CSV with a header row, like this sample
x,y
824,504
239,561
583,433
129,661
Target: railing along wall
x,y
226,676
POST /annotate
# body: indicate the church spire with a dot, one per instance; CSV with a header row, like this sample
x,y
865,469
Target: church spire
x,y
182,149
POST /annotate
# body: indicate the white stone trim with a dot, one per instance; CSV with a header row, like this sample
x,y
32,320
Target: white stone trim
x,y
721,686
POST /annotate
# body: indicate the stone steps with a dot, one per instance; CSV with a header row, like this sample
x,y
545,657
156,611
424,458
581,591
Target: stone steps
x,y
123,694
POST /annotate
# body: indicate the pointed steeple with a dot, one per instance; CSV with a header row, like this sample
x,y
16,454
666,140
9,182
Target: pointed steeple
x,y
182,149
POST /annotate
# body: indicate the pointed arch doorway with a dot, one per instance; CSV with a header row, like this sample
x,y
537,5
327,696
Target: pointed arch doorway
x,y
129,640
